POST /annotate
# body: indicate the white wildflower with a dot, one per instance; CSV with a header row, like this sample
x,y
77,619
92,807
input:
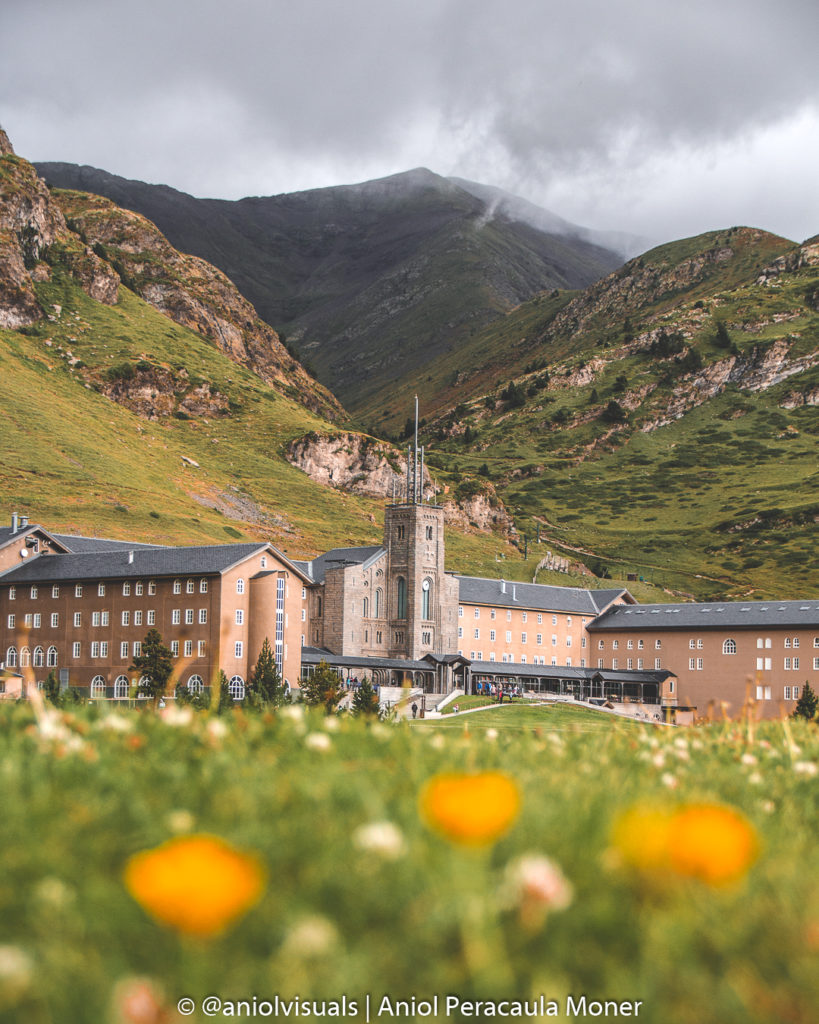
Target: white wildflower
x,y
317,741
491,735
748,759
382,838
180,821
669,780
805,768
311,937
535,885
16,974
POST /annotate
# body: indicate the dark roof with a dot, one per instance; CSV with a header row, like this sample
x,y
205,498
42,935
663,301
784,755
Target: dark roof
x,y
516,670
315,655
722,615
316,568
80,545
147,561
538,596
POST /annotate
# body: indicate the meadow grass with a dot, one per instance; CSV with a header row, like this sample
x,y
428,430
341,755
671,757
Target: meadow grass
x,y
405,908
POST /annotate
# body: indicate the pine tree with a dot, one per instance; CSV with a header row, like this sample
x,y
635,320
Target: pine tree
x,y
807,703
51,688
222,694
154,665
265,684
365,699
322,687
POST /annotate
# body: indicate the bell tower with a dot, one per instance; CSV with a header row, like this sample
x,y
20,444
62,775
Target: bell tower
x,y
421,599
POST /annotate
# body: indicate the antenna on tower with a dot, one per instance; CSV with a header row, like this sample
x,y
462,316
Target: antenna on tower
x,y
415,458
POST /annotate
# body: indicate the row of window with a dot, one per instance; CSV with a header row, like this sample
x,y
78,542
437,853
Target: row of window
x,y
102,618
195,685
788,692
524,616
99,649
138,588
630,644
524,637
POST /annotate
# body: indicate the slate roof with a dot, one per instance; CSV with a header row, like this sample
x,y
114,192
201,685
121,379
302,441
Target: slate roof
x,y
315,655
316,568
147,561
541,597
722,615
517,670
79,545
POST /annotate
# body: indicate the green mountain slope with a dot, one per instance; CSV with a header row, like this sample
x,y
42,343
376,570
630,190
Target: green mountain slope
x,y
663,421
369,281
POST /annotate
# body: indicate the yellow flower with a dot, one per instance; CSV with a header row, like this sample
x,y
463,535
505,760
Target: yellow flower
x,y
712,843
708,842
196,884
473,810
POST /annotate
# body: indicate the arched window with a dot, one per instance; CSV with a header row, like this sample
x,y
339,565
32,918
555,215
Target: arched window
x,y
177,586
189,586
51,657
11,657
25,657
97,687
237,688
144,681
401,612
379,597
729,647
426,591
122,687
366,608
39,657
195,684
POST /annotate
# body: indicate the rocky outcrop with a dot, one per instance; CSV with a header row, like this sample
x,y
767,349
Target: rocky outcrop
x,y
362,465
760,368
192,293
354,463
797,399
33,233
155,392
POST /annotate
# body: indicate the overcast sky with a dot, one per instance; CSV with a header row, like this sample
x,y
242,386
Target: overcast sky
x,y
648,116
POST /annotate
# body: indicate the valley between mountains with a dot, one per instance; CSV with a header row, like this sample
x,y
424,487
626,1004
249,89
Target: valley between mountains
x,y
654,418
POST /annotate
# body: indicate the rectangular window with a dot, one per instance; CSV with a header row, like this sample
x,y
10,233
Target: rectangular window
x,y
304,615
523,659
75,650
492,634
600,645
639,645
174,648
524,617
137,648
796,641
787,693
100,590
554,620
509,636
691,664
524,638
55,591
188,648
630,663
614,663
126,618
796,693
658,663
460,632
658,644
540,639
34,592
37,620
96,618
763,693
11,622
138,618
699,664
28,620
123,649
95,649
189,587
492,616
238,647
477,613
568,641
201,648
240,617
77,618
203,616
691,644
177,586
796,663
477,633
151,617
105,618
787,663
189,616
13,594
55,620
540,619
630,644
176,617
554,639
460,611
787,641
104,649
816,664
615,644
639,664
126,589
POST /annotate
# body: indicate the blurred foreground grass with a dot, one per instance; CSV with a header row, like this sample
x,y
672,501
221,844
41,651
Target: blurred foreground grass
x,y
363,896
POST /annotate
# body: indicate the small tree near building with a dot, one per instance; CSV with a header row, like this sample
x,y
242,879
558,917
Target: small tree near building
x,y
221,694
154,664
807,703
322,687
264,687
365,699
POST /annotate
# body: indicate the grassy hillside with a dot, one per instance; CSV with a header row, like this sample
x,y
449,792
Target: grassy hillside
x,y
664,421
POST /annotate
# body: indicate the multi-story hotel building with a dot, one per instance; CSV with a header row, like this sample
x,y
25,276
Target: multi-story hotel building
x,y
81,607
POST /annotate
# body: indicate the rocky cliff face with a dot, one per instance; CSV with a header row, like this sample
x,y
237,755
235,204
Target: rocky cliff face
x,y
361,465
33,233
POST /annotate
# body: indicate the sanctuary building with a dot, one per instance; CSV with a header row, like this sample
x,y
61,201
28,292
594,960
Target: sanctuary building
x,y
81,606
